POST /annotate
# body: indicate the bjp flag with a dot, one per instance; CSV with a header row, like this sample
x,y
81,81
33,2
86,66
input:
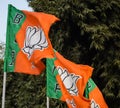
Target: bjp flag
x,y
93,93
53,88
72,79
27,41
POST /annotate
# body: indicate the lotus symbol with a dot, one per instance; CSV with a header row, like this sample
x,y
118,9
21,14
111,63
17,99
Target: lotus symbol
x,y
69,80
73,105
35,39
94,104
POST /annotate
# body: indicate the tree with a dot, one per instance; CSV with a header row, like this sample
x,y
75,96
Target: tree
x,y
2,48
89,33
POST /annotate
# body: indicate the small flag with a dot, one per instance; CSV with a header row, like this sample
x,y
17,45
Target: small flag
x,y
27,41
72,79
93,93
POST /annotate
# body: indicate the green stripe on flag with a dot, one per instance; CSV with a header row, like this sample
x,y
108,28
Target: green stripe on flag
x,y
14,22
53,90
89,87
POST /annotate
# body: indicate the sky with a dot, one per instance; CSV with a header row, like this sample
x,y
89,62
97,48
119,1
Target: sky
x,y
19,4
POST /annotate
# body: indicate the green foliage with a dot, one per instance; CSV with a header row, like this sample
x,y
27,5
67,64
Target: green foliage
x,y
88,33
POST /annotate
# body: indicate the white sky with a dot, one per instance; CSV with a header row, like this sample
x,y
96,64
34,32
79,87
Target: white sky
x,y
19,4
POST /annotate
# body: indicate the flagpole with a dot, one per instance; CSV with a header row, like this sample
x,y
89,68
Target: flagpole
x,y
4,89
47,102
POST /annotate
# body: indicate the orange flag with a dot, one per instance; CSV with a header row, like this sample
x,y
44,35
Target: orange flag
x,y
93,93
27,41
72,79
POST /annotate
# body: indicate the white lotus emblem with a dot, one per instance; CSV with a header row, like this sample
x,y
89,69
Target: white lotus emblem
x,y
69,80
94,104
35,39
73,105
